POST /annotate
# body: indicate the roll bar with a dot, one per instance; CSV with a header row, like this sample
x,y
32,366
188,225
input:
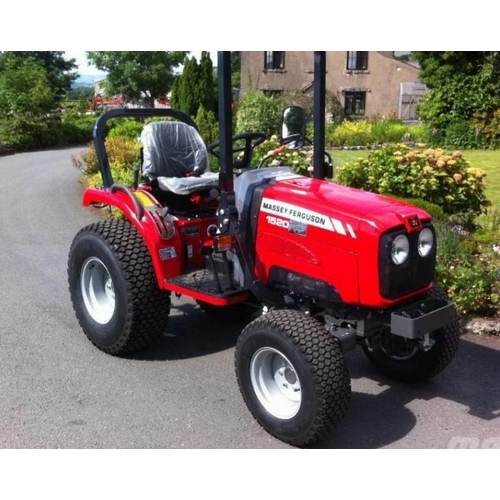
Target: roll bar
x,y
225,126
99,128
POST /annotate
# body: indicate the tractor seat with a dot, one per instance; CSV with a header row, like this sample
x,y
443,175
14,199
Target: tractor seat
x,y
175,155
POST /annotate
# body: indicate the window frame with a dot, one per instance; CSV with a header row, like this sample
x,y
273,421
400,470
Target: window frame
x,y
274,60
353,94
357,61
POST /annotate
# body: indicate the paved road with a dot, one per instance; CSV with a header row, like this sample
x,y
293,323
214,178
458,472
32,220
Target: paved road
x,y
58,391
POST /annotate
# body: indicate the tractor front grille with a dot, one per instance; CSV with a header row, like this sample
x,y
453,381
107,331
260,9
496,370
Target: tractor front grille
x,y
416,273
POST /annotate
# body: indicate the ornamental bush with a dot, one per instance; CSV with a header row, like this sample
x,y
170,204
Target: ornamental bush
x,y
258,112
352,133
23,132
369,132
123,155
128,128
299,160
445,179
468,270
463,135
76,128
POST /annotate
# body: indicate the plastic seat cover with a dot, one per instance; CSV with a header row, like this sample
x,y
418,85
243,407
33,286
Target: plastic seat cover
x,y
176,156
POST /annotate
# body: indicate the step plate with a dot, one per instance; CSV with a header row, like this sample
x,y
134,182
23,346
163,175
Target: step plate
x,y
202,281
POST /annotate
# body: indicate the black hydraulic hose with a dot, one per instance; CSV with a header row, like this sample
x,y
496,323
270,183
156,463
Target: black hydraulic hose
x,y
139,209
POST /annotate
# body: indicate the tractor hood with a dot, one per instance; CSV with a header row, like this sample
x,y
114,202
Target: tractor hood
x,y
334,234
346,210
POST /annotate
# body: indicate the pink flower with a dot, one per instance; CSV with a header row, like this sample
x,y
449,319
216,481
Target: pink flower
x,y
457,177
276,163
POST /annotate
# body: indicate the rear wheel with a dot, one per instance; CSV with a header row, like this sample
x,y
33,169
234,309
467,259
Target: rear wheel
x,y
402,360
113,288
292,375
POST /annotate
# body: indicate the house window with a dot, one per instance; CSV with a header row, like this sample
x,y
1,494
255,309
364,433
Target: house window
x,y
274,60
355,103
357,61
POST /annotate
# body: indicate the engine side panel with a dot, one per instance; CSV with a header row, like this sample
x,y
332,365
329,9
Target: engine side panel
x,y
331,233
308,242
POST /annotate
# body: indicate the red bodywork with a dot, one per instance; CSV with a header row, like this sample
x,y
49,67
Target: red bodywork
x,y
312,227
171,255
342,231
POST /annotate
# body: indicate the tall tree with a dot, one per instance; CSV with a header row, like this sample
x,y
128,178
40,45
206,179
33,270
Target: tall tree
x,y
60,71
184,93
461,85
206,87
195,87
27,101
147,75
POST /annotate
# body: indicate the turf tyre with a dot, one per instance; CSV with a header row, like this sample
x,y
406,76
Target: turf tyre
x,y
318,365
140,309
421,365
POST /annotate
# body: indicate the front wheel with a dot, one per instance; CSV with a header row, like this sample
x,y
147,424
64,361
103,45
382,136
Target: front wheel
x,y
402,360
292,375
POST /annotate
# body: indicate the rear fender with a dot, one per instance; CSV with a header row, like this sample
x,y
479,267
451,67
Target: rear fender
x,y
165,252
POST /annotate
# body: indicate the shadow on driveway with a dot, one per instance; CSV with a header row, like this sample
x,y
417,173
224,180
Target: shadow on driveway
x,y
374,419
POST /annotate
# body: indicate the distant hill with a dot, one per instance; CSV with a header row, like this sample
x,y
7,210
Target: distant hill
x,y
87,80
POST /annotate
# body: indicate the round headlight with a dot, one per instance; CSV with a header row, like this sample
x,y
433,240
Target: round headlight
x,y
425,242
400,249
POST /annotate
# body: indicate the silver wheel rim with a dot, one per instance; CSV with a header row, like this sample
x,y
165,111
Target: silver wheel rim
x,y
276,383
97,290
403,357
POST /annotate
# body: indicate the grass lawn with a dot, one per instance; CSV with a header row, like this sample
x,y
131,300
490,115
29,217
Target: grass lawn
x,y
489,161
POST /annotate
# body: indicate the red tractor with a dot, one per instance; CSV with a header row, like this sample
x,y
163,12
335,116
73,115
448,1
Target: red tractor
x,y
327,266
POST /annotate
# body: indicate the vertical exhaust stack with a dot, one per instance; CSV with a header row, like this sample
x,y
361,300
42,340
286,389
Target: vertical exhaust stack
x,y
319,115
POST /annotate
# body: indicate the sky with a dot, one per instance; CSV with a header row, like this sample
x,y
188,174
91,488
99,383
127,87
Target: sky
x,y
81,60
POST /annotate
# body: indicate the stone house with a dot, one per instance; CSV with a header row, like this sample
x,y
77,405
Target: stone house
x,y
367,84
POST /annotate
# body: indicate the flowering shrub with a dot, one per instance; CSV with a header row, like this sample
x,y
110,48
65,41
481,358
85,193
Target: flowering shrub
x,y
123,155
299,159
471,285
469,270
444,179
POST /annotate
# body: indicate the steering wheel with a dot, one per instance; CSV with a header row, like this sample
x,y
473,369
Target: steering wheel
x,y
252,139
293,141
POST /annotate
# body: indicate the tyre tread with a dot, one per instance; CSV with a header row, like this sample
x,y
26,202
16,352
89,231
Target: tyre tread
x,y
325,358
149,306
